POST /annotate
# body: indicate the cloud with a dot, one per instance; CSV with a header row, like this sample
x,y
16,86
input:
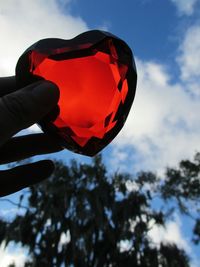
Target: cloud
x,y
24,22
12,255
185,7
163,126
189,59
171,233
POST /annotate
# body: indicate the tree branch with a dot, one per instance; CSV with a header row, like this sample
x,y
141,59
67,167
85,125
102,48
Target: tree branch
x,y
13,203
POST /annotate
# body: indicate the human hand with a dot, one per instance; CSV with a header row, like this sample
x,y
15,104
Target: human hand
x,y
19,109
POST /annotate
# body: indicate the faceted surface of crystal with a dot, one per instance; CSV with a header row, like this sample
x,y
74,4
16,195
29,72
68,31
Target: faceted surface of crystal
x,y
96,76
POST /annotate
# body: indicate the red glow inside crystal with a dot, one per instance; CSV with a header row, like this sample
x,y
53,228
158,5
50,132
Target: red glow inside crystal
x,y
91,90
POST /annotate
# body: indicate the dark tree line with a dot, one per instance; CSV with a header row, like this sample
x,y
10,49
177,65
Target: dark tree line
x,y
96,212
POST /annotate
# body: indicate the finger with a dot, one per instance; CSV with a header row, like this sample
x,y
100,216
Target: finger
x,y
22,147
26,106
7,85
20,177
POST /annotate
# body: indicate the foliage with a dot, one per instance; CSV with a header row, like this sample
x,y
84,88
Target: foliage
x,y
81,216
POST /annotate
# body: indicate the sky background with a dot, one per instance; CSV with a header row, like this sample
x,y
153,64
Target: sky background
x,y
163,126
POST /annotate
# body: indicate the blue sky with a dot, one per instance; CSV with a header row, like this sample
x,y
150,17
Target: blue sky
x,y
135,21
164,125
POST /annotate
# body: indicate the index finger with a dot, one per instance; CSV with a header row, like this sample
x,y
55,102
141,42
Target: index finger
x,y
25,107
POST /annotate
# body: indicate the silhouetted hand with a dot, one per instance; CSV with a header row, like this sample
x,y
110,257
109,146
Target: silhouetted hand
x,y
19,109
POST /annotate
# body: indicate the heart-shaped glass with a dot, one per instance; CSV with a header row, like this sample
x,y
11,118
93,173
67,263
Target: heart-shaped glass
x,y
96,76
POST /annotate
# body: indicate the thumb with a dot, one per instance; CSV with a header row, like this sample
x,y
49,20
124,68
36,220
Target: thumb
x,y
26,106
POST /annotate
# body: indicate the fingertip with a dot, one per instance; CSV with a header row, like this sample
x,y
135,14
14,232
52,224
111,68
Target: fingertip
x,y
53,88
23,176
46,93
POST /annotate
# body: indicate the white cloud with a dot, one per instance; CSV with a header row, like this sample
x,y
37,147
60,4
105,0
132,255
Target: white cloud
x,y
171,233
185,7
12,255
24,22
163,126
189,59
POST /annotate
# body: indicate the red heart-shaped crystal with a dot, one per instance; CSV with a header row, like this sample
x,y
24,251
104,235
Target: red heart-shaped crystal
x,y
96,76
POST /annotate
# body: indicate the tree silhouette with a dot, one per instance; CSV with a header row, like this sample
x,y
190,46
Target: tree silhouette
x,y
83,216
